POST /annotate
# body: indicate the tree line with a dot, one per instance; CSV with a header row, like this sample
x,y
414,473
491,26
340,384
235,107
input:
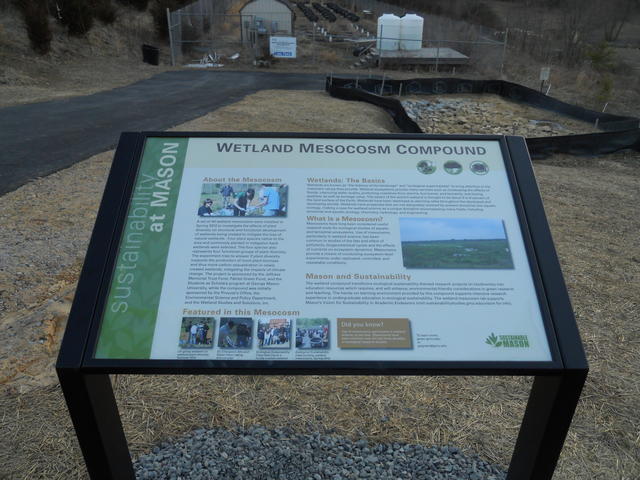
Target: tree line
x,y
543,28
79,16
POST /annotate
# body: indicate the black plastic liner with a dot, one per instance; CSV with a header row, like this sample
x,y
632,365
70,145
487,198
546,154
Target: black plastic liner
x,y
621,132
587,144
392,106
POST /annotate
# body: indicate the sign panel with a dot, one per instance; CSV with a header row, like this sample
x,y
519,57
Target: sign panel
x,y
322,249
544,73
282,47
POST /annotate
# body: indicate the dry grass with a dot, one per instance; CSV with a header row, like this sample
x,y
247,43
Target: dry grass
x,y
294,112
329,57
592,208
429,410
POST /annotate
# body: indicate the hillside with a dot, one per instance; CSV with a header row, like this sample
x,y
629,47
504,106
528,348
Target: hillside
x,y
110,55
107,57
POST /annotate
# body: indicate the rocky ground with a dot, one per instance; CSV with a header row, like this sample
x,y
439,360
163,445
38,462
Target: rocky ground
x,y
258,453
488,114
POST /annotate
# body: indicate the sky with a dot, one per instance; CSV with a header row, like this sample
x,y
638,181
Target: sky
x,y
421,229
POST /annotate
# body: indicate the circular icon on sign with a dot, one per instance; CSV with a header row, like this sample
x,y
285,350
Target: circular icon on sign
x,y
479,168
452,167
426,166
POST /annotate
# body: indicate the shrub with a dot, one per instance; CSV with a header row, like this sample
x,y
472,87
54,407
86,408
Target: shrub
x,y
605,88
189,35
602,57
140,5
104,11
159,13
76,15
482,14
329,56
36,20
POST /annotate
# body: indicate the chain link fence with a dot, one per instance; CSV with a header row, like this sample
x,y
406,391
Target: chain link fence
x,y
209,26
196,26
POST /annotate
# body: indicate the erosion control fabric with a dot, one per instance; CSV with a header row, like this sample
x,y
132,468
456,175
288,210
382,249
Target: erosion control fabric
x,y
620,132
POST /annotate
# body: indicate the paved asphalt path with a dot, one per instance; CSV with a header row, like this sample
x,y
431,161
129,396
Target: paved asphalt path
x,y
41,138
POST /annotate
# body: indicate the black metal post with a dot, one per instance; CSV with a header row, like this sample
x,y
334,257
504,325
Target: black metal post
x,y
552,403
94,412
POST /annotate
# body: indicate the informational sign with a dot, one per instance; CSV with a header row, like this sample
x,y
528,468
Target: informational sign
x,y
322,249
544,73
282,47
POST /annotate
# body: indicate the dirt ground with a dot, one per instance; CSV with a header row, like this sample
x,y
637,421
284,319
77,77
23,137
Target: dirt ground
x,y
591,204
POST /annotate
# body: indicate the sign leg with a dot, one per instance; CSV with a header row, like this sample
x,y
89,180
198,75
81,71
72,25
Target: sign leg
x,y
94,412
552,403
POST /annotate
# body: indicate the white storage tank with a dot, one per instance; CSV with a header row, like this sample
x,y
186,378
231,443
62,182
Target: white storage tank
x,y
388,32
411,26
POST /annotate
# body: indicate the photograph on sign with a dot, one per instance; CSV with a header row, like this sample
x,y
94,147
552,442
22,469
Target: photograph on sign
x,y
235,333
322,249
243,200
274,333
454,243
196,332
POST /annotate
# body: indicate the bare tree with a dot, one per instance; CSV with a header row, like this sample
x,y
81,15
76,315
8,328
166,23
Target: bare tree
x,y
615,14
576,19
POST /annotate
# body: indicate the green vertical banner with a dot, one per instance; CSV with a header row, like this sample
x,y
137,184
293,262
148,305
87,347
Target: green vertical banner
x,y
130,313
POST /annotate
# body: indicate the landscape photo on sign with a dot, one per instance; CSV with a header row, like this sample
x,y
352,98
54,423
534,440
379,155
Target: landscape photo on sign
x,y
464,243
243,200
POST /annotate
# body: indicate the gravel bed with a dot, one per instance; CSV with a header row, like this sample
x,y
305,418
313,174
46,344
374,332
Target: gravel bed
x,y
260,453
489,114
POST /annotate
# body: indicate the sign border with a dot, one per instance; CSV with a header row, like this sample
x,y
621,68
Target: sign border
x,y
87,388
93,287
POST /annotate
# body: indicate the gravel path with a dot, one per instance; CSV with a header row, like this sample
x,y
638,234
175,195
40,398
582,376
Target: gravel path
x,y
259,453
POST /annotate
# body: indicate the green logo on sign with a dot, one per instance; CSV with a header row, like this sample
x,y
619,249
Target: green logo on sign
x,y
507,341
493,340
